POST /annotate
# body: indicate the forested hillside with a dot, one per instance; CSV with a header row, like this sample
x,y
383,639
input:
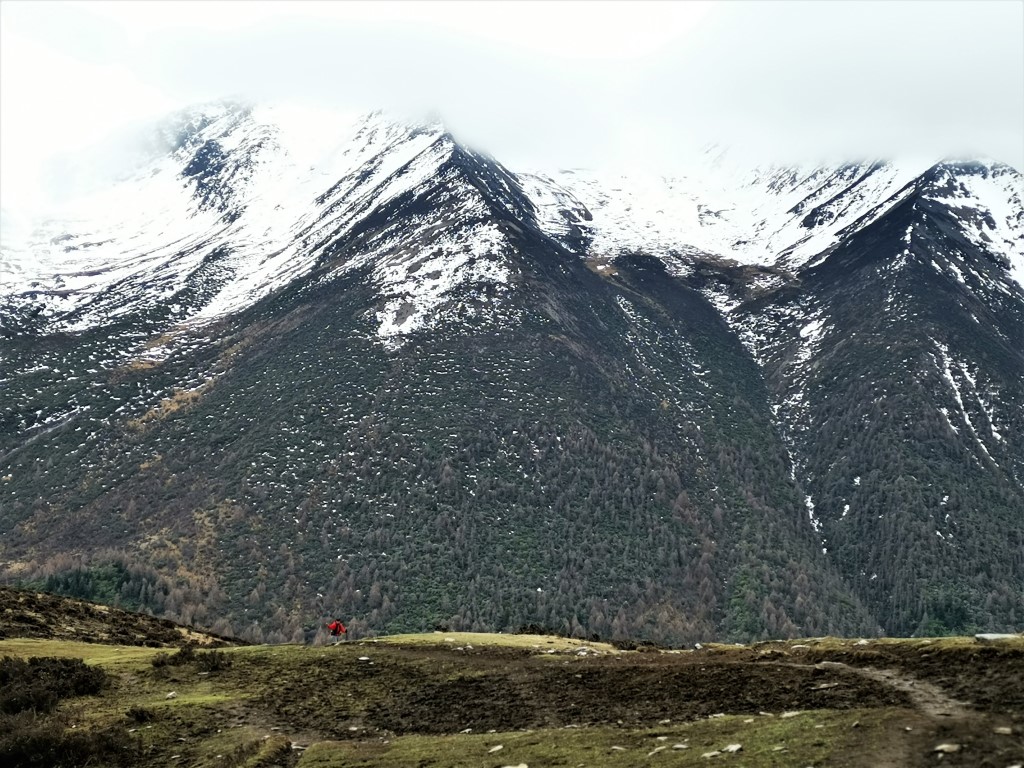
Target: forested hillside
x,y
436,393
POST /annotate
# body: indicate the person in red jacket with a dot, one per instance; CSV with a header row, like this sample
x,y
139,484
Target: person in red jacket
x,y
337,630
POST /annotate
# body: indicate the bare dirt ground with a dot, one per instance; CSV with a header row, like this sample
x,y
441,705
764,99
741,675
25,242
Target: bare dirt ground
x,y
958,695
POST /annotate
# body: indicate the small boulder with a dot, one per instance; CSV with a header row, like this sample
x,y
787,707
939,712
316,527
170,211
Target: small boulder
x,y
947,748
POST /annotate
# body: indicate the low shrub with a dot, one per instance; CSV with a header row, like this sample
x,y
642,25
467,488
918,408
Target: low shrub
x,y
140,714
39,684
28,740
205,661
212,661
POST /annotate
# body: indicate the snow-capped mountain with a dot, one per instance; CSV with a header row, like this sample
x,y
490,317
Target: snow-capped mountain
x,y
246,202
248,199
732,401
785,217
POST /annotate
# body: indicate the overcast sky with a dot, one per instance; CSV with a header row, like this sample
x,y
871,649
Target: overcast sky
x,y
537,84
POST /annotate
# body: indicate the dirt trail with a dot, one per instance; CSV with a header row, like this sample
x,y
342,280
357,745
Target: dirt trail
x,y
927,698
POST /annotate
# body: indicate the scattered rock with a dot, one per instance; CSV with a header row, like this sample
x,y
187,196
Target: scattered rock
x,y
655,751
364,658
466,730
1003,730
947,748
617,748
171,695
779,748
494,749
520,765
664,722
862,642
790,714
732,748
801,646
662,738
680,746
715,753
749,720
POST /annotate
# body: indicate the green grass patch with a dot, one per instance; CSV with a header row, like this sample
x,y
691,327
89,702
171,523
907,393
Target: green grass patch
x,y
482,639
91,653
810,738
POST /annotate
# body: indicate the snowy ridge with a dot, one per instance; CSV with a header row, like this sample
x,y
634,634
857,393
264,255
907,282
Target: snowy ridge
x,y
988,201
247,201
789,218
665,217
235,202
781,217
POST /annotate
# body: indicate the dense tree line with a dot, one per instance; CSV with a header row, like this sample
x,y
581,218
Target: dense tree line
x,y
599,459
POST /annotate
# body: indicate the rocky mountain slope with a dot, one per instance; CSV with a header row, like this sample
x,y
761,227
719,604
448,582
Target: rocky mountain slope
x,y
364,369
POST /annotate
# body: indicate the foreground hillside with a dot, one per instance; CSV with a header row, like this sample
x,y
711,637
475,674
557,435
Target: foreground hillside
x,y
37,615
460,699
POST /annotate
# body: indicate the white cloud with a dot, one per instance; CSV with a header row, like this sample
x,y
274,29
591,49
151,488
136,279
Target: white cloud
x,y
552,83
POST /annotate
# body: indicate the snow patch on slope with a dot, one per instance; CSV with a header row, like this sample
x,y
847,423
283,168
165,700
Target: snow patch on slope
x,y
947,368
